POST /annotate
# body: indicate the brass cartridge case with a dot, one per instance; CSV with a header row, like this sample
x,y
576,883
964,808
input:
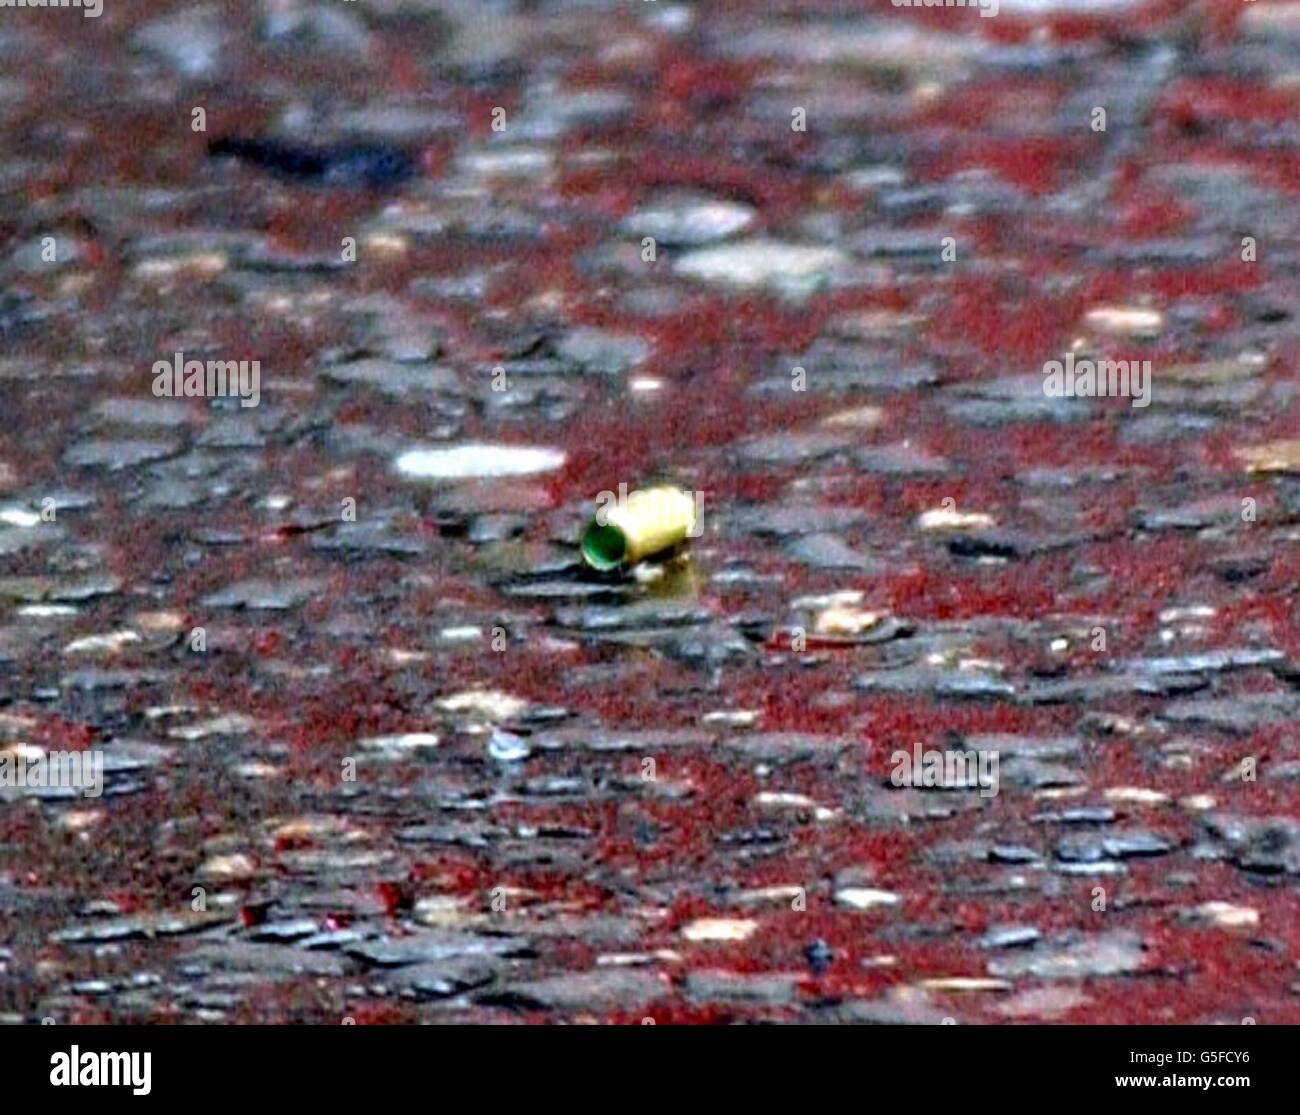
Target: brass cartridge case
x,y
647,522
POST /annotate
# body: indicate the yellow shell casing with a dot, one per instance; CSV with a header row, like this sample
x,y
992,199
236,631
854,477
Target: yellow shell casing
x,y
648,522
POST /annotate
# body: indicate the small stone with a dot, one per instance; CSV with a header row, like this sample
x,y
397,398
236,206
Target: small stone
x,y
1082,957
79,821
312,828
602,740
400,746
902,459
507,162
779,748
1210,373
506,747
798,802
445,978
859,418
1134,842
733,718
190,41
229,724
789,446
1125,321
603,989
1136,795
144,412
689,220
1223,915
160,623
110,643
1261,844
865,898
459,462
1013,854
266,595
432,946
19,517
140,927
943,518
288,25
228,868
755,263
844,620
394,377
597,350
284,931
1009,936
778,895
940,682
720,929
446,911
1273,22
827,551
1044,1002
116,456
487,704
963,984
767,988
166,269
1271,457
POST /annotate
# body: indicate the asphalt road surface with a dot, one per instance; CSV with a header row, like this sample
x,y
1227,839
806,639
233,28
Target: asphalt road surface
x,y
976,696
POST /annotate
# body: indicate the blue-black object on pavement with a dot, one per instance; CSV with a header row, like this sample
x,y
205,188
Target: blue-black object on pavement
x,y
819,956
372,166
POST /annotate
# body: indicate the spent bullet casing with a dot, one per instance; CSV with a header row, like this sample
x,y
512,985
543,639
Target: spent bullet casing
x,y
647,522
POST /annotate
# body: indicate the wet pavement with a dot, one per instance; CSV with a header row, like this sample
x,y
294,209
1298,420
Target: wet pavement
x,y
375,744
